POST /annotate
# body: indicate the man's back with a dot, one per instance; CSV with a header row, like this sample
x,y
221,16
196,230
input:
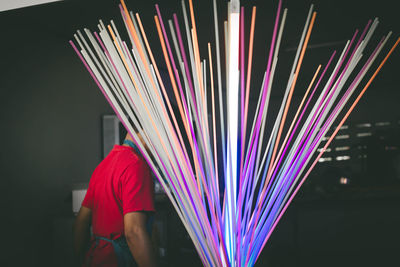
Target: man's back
x,y
120,184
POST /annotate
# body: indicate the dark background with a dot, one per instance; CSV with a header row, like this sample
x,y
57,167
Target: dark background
x,y
51,135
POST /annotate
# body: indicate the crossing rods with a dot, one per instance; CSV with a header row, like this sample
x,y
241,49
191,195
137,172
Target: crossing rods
x,y
229,185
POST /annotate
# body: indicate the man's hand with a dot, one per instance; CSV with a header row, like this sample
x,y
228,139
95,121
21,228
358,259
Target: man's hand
x,y
82,233
138,239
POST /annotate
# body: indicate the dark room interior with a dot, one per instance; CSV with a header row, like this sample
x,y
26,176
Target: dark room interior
x,y
346,214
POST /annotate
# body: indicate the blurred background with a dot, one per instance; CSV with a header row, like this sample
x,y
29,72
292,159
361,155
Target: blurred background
x,y
57,128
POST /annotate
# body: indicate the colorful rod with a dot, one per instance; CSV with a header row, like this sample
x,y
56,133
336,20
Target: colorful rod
x,y
229,180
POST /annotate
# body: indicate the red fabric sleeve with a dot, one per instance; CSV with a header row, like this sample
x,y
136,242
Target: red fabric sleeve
x,y
88,200
137,188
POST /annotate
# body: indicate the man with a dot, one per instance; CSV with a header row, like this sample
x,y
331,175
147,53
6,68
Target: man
x,y
118,203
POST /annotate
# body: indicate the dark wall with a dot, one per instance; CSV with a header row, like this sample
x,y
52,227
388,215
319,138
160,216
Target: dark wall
x,y
51,110
51,138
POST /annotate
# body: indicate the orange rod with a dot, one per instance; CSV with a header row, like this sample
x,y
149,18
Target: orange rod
x,y
162,87
175,89
169,106
331,138
213,118
140,95
196,44
249,65
200,77
170,72
357,100
291,91
180,106
132,29
295,117
196,48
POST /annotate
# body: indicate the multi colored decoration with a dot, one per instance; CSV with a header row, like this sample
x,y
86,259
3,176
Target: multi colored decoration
x,y
229,177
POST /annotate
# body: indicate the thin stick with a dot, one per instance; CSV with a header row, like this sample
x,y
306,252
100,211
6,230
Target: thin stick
x,y
330,139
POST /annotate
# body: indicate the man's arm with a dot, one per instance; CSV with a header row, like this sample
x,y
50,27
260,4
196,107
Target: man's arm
x,y
138,239
82,233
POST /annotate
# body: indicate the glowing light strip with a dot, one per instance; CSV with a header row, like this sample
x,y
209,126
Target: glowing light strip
x,y
232,122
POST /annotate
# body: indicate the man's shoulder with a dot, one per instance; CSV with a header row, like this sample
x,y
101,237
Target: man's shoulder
x,y
129,162
137,167
117,159
129,157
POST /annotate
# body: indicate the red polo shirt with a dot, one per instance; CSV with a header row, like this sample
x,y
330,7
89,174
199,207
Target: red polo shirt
x,y
120,184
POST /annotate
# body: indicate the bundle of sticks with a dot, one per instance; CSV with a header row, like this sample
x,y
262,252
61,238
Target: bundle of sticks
x,y
228,178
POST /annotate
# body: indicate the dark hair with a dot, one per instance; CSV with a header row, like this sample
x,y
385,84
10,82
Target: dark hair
x,y
123,131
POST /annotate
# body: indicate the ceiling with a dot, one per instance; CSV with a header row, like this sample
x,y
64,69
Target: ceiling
x,y
14,4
